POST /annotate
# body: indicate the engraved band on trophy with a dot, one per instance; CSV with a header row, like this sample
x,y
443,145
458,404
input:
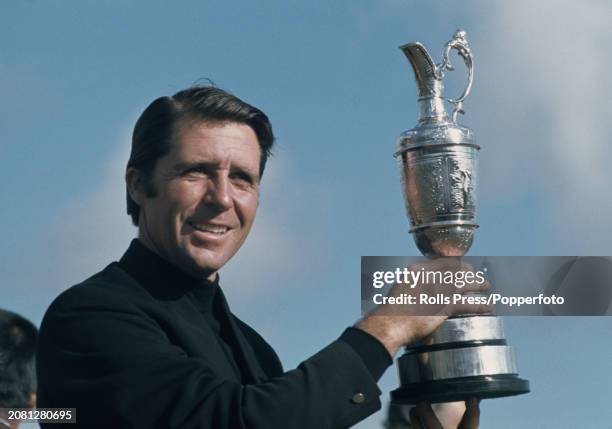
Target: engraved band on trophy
x,y
467,356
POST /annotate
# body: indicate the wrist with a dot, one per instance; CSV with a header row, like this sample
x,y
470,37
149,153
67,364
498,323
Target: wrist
x,y
384,331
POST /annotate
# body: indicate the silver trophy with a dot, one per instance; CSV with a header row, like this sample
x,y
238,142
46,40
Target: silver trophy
x,y
468,355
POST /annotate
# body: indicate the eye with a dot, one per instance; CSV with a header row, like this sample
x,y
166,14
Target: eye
x,y
243,177
196,170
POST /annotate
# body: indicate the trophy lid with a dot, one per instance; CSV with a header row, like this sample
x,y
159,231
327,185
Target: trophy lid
x,y
435,133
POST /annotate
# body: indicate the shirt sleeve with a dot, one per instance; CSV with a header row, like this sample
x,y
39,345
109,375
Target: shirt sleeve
x,y
111,361
374,355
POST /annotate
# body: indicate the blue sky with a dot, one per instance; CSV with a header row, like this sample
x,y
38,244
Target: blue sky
x,y
74,76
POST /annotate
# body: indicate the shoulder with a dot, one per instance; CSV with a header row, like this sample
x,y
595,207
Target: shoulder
x,y
111,285
108,311
109,294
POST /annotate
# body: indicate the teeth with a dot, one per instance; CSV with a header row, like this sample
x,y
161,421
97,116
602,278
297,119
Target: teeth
x,y
215,229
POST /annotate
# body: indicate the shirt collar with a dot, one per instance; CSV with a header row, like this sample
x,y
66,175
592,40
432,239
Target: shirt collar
x,y
153,271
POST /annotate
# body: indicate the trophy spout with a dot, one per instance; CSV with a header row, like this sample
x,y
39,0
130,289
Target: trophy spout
x,y
424,70
430,87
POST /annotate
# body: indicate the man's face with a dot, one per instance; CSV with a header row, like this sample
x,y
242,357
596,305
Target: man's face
x,y
207,190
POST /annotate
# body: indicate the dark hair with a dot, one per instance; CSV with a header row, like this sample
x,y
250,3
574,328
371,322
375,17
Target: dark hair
x,y
18,338
156,127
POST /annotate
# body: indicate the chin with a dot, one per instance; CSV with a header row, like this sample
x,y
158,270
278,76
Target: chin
x,y
206,260
206,265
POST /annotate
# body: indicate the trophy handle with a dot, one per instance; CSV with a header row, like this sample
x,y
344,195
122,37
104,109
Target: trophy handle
x,y
458,42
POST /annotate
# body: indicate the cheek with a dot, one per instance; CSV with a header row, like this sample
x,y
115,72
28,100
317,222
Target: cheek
x,y
246,206
184,197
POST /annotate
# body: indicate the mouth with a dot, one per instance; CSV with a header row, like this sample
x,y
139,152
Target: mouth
x,y
217,230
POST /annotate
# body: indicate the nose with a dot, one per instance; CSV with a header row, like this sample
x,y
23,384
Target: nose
x,y
218,193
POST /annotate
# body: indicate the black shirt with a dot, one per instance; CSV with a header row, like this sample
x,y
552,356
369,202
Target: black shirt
x,y
142,345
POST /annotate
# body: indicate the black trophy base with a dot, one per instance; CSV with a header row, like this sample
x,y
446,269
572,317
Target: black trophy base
x,y
460,389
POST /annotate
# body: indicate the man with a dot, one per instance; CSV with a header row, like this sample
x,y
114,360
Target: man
x,y
150,342
17,367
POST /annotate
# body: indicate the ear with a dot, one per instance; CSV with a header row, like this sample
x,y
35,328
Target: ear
x,y
136,186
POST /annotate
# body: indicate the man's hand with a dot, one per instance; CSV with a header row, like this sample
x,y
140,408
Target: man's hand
x,y
423,417
395,326
451,415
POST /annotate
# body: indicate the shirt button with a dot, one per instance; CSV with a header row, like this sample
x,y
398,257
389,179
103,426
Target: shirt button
x,y
358,398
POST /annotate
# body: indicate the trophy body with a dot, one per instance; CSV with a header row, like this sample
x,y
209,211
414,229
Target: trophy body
x,y
468,355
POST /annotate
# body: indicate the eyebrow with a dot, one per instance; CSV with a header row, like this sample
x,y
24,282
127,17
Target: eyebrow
x,y
181,166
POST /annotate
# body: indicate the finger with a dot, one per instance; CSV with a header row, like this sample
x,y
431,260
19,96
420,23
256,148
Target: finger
x,y
471,418
464,308
415,421
448,263
475,286
466,266
427,416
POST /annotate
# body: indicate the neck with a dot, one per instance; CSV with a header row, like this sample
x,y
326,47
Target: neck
x,y
144,239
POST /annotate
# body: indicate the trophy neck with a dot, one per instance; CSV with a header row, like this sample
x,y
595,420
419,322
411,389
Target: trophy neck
x,y
432,109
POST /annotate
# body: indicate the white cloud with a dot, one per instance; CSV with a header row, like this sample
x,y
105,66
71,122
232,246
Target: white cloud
x,y
87,234
94,229
283,240
540,108
555,63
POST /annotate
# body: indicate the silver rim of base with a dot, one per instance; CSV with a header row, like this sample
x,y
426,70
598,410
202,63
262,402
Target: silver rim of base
x,y
457,362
